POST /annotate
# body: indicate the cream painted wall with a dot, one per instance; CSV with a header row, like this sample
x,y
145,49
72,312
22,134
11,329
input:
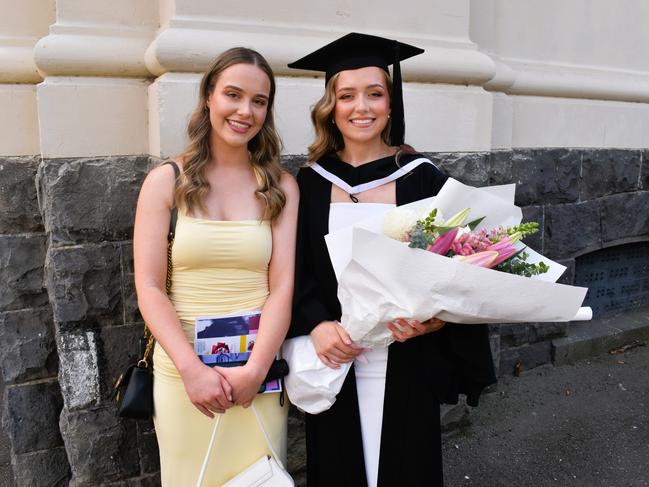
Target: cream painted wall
x,y
438,117
574,73
596,33
20,29
430,19
496,73
18,120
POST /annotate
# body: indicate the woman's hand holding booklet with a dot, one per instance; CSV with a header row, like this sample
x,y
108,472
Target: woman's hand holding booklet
x,y
411,261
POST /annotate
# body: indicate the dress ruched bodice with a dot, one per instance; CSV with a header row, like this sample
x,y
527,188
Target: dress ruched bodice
x,y
219,267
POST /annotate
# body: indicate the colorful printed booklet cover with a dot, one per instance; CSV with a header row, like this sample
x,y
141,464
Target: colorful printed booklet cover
x,y
226,341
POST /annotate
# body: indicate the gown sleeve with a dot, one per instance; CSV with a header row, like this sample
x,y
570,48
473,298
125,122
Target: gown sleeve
x,y
309,308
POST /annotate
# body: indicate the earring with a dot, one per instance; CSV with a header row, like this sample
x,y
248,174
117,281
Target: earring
x,y
388,116
333,122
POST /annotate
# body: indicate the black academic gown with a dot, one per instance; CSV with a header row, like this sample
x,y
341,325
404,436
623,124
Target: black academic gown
x,y
421,373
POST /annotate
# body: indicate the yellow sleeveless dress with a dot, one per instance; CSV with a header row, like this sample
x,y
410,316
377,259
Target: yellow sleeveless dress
x,y
219,267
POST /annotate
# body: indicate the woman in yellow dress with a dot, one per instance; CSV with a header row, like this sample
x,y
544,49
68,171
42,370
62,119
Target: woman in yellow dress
x,y
233,253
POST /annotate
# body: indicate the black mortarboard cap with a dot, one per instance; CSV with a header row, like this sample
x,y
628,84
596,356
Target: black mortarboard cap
x,y
355,51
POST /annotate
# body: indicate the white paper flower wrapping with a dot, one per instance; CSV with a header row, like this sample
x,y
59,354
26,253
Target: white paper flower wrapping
x,y
381,279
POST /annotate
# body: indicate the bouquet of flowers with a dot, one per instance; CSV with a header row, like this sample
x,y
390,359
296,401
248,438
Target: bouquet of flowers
x,y
397,265
494,249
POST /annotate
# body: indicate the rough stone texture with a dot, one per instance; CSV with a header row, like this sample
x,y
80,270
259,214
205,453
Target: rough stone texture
x,y
534,214
572,229
101,449
18,202
625,217
568,276
127,258
609,172
293,162
296,446
529,356
45,467
129,296
21,271
6,472
79,369
147,445
117,347
470,168
90,200
548,176
27,348
30,416
514,335
494,344
143,481
547,331
84,284
7,476
644,171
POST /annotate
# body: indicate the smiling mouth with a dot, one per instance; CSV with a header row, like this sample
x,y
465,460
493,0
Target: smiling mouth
x,y
238,126
361,122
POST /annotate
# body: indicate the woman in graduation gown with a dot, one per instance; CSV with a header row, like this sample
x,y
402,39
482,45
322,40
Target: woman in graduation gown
x,y
383,430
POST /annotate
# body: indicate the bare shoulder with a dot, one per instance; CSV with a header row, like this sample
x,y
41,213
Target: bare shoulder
x,y
160,183
289,185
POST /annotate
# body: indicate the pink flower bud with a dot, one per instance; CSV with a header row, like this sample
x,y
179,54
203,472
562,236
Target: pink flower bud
x,y
443,243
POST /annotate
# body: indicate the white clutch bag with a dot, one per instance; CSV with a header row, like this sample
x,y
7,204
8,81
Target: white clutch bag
x,y
268,471
264,472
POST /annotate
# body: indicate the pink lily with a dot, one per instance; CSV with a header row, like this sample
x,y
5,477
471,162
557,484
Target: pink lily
x,y
503,255
505,249
482,259
502,244
443,243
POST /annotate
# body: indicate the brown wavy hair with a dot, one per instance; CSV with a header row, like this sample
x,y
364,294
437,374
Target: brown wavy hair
x,y
263,148
328,138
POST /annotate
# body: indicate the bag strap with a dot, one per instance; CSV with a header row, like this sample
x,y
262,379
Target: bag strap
x,y
201,475
174,210
148,336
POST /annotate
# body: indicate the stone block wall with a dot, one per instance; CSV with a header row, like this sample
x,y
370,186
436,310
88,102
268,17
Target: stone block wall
x,y
88,207
68,313
32,399
583,199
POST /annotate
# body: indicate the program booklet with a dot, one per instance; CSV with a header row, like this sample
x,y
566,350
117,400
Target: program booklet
x,y
226,341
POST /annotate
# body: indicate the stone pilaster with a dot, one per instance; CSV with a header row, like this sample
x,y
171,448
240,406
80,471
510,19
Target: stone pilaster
x,y
88,209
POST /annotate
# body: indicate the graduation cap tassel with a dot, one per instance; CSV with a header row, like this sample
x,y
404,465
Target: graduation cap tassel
x,y
398,129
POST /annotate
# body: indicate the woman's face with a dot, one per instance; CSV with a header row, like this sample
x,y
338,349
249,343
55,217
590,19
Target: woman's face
x,y
362,104
238,104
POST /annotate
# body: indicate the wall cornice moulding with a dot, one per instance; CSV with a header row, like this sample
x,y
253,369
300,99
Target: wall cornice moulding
x,y
17,60
190,46
93,50
535,78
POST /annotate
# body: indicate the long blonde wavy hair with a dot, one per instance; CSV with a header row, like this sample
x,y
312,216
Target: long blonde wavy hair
x,y
328,138
263,148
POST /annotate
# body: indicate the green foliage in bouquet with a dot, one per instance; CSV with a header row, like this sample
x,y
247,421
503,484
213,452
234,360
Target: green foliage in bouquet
x,y
420,238
524,229
517,265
